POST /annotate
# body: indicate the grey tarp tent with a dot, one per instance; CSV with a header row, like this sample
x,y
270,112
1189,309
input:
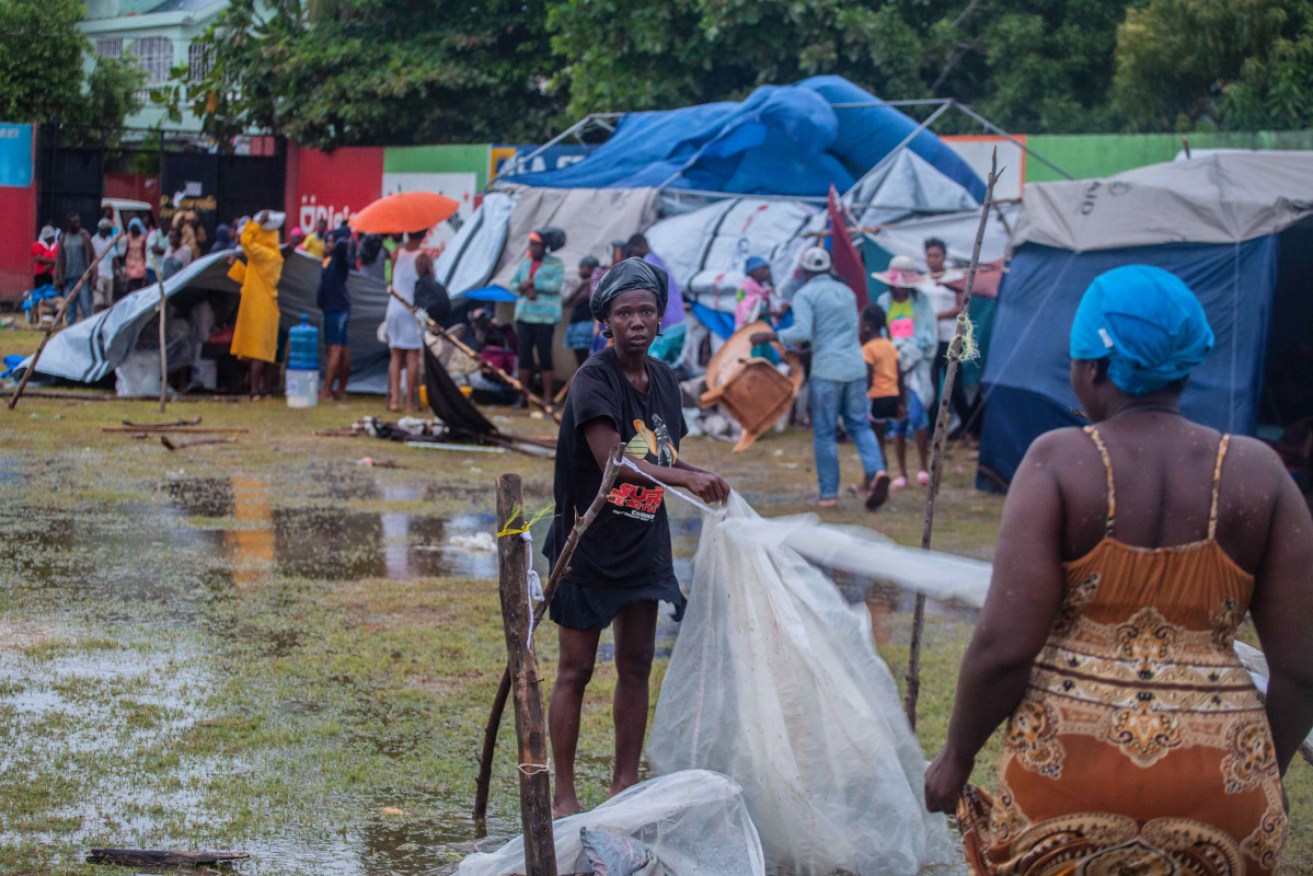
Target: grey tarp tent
x,y
1238,228
91,349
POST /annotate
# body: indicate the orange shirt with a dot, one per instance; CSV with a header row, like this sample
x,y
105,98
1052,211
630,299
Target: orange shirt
x,y
880,354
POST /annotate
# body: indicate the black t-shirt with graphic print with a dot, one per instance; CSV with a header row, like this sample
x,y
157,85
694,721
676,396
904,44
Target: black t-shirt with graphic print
x,y
628,545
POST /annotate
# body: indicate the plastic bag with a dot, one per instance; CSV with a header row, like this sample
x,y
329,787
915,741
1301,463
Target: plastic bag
x,y
694,821
776,683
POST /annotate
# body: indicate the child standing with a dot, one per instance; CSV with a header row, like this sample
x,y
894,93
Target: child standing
x,y
883,379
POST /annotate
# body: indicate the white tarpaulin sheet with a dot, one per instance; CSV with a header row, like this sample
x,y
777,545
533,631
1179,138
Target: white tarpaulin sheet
x,y
719,238
775,683
695,821
469,259
1220,198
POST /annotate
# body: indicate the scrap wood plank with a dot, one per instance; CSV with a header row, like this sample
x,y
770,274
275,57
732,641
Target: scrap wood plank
x,y
160,858
172,424
185,430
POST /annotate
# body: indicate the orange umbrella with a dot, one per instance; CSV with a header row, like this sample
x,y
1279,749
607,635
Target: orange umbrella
x,y
403,212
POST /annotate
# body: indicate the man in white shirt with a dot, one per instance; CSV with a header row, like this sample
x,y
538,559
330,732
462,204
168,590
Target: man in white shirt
x,y
101,241
947,304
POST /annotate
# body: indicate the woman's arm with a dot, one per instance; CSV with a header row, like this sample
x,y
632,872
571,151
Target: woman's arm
x,y
602,437
1024,595
1282,610
954,310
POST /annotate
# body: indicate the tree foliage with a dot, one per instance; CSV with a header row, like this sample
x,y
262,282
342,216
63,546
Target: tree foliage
x,y
342,72
1183,64
349,72
42,74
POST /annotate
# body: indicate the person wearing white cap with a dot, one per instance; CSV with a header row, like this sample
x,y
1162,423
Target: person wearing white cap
x,y
255,335
825,314
911,320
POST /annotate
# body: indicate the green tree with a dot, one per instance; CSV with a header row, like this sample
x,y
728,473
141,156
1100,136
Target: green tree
x,y
1190,64
1037,65
42,71
334,73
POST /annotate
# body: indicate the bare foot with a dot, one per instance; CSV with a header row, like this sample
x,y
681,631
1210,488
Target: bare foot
x,y
394,407
824,503
565,808
412,409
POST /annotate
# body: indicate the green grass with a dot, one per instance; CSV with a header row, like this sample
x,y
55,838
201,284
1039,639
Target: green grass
x,y
166,681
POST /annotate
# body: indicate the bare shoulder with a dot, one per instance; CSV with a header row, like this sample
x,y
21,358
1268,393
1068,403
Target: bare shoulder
x,y
1251,458
1058,446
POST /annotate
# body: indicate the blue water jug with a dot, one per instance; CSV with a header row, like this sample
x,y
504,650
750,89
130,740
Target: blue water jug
x,y
303,346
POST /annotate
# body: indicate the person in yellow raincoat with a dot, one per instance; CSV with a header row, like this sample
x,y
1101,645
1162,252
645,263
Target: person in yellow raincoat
x,y
255,337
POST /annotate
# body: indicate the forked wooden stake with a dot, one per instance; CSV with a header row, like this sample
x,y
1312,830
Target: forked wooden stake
x,y
937,448
530,726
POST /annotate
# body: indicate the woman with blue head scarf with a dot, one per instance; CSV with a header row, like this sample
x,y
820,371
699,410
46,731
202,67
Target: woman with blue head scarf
x,y
1129,553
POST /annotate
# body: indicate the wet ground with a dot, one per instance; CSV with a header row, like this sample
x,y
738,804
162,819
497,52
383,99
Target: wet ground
x,y
176,652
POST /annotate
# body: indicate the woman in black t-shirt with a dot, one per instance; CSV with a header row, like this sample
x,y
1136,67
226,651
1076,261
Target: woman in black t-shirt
x,y
623,563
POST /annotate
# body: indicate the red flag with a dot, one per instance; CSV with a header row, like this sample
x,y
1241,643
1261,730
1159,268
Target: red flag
x,y
848,264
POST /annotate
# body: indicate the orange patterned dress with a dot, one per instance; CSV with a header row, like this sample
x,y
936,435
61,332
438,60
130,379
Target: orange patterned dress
x,y
1141,745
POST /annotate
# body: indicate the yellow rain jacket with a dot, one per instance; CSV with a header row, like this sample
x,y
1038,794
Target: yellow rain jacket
x,y
256,334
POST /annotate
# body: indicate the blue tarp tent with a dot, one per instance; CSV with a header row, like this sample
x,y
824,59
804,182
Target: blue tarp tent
x,y
1216,222
782,140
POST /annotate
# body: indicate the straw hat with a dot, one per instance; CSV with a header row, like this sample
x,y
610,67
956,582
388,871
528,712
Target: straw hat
x,y
902,272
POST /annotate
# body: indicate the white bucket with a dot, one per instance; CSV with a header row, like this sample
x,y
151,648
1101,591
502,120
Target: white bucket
x,y
302,388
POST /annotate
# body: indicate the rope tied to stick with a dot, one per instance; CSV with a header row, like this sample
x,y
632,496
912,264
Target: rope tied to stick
x,y
968,350
538,516
533,769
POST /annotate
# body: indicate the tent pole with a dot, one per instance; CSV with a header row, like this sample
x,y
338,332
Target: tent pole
x,y
920,129
577,126
164,352
990,126
941,439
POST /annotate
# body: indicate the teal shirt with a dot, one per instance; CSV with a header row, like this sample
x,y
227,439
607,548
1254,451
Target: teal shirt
x,y
547,280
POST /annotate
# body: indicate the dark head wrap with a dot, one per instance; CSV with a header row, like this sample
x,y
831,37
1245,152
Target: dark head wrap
x,y
632,273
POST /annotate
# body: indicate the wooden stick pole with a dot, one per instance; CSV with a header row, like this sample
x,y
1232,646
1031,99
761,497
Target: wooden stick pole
x,y
473,354
530,726
937,448
59,317
164,350
484,779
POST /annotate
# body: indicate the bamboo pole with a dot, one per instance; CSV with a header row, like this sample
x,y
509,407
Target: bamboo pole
x,y
59,317
530,725
473,354
940,440
483,780
164,351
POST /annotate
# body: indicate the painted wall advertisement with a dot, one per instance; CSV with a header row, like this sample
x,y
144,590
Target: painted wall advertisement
x,y
15,155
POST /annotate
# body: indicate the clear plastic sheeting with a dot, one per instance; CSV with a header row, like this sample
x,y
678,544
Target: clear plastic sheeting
x,y
694,821
776,683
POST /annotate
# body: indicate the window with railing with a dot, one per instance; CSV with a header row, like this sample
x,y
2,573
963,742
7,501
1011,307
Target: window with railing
x,y
155,58
199,61
109,47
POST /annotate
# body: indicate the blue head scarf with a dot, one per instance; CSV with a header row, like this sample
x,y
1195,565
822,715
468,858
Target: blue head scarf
x,y
753,263
1148,325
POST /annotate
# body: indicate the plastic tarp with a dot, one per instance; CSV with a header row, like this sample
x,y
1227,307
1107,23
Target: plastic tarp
x,y
775,683
1027,383
906,185
592,218
707,248
1220,198
91,349
782,140
469,259
695,821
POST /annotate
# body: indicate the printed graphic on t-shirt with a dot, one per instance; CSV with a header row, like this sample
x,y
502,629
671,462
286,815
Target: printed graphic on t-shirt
x,y
652,444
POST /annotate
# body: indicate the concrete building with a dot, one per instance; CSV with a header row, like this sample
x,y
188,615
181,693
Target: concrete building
x,y
160,34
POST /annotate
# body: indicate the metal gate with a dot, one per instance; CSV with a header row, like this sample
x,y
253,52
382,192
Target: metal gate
x,y
219,188
70,179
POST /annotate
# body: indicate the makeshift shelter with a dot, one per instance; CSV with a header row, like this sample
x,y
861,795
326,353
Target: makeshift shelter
x,y
92,349
1237,228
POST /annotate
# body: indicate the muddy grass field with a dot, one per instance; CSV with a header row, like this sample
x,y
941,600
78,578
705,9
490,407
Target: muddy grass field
x,y
269,646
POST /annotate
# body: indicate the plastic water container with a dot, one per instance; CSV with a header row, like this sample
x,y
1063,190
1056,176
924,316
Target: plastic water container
x,y
303,365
